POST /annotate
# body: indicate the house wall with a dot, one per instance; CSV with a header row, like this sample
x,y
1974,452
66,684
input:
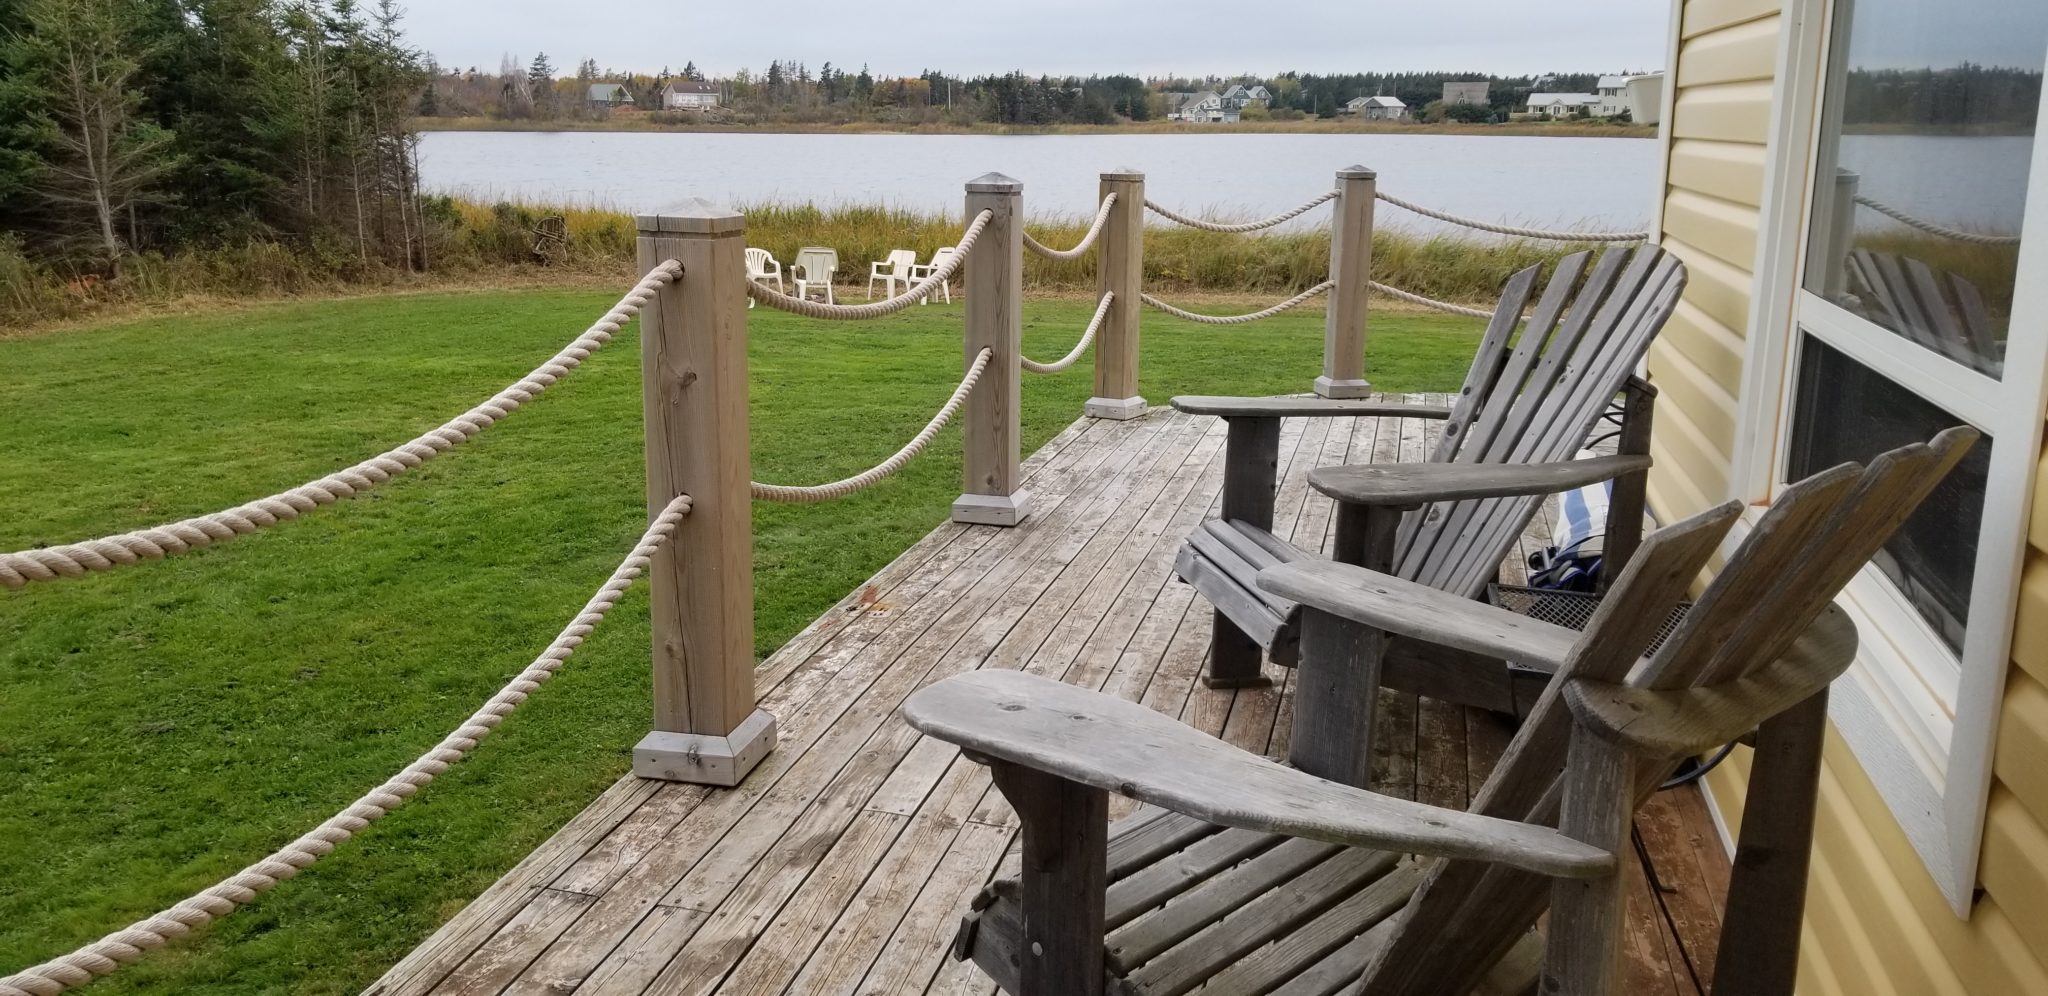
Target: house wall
x,y
1876,923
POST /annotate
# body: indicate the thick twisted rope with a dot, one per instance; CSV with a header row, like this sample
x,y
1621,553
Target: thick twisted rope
x,y
1238,319
1526,233
1249,226
875,309
75,559
1430,302
1931,228
1087,338
138,939
1101,219
808,494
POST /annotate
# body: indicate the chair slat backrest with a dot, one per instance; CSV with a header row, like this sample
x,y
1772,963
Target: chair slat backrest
x,y
1788,570
1537,401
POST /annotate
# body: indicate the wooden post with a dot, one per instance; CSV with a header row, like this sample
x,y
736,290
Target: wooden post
x,y
1120,269
1587,916
993,491
1064,878
1251,459
1840,234
1351,268
693,354
1767,888
1337,686
1624,531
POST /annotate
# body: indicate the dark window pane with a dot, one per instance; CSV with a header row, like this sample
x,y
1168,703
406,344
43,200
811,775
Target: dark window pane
x,y
1847,412
1928,133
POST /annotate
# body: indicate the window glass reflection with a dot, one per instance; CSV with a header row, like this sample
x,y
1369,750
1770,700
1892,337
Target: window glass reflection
x,y
1927,138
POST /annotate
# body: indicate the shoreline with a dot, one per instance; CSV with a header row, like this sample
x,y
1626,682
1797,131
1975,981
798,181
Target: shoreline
x,y
637,123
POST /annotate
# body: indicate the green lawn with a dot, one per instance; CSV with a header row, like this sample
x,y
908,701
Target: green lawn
x,y
162,725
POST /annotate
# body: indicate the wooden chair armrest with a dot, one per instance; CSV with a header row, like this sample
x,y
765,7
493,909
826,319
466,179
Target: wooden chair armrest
x,y
1684,721
1109,744
1406,485
1291,407
1419,612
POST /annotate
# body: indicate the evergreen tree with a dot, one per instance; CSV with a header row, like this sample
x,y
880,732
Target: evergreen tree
x,y
540,84
690,72
81,58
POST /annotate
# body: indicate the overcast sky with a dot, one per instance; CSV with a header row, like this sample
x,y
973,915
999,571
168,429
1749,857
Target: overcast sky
x,y
1143,37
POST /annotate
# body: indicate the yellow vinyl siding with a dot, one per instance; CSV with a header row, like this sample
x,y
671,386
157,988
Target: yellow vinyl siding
x,y
1724,112
1716,349
1732,55
1732,171
2023,743
1876,924
1702,16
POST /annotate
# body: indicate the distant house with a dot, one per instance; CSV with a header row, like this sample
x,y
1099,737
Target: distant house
x,y
1613,94
1465,93
1239,96
1646,98
1559,105
1206,107
610,95
688,95
1377,108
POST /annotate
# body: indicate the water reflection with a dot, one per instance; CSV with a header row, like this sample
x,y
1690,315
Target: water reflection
x,y
1927,246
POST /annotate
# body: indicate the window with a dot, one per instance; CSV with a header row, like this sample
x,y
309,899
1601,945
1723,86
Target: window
x,y
1849,412
1902,287
1923,151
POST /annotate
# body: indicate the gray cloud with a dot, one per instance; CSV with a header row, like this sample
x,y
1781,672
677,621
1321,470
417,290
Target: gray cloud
x,y
1146,37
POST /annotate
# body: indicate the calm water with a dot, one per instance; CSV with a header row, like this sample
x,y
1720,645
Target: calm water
x,y
1599,182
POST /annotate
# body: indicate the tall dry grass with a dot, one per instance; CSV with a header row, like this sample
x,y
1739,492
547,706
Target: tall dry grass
x,y
485,243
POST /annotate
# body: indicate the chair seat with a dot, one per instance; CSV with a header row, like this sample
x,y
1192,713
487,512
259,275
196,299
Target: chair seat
x,y
1193,905
1222,559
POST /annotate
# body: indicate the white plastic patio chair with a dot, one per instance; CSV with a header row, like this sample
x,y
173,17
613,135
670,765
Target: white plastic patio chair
x,y
814,268
761,268
919,271
896,267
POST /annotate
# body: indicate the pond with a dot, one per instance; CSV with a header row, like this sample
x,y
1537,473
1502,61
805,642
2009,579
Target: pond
x,y
1573,182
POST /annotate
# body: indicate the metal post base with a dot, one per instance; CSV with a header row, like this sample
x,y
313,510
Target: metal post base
x,y
703,759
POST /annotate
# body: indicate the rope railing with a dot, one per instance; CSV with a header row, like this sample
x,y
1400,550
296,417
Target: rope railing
x,y
1238,229
1526,233
137,940
77,559
1956,234
1087,339
875,309
1238,319
806,494
1088,240
1430,302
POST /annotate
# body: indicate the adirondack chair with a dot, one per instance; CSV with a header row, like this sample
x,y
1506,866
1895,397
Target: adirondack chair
x,y
1526,409
1246,876
1941,311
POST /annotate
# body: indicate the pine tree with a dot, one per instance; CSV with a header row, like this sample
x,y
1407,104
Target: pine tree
x,y
107,158
540,84
690,72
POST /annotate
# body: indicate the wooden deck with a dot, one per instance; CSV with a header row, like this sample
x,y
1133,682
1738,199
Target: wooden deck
x,y
842,864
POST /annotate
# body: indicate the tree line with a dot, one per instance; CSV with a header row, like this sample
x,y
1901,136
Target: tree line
x,y
131,126
790,90
1965,96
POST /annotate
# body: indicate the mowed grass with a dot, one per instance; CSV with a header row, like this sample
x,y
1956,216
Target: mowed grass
x,y
163,725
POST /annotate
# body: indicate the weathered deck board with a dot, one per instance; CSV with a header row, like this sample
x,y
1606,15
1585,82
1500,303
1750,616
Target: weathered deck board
x,y
842,864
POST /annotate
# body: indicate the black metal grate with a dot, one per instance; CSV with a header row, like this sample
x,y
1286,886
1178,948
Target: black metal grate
x,y
1570,609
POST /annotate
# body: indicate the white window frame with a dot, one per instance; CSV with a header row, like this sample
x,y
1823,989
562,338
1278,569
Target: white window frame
x,y
1924,734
